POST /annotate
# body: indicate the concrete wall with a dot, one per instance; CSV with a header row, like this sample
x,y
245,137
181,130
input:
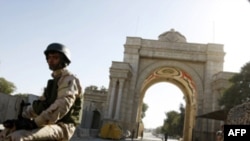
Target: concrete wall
x,y
10,105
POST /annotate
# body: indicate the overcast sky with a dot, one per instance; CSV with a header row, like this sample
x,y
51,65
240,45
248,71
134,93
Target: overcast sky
x,y
96,30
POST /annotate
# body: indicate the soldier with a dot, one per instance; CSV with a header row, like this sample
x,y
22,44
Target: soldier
x,y
55,115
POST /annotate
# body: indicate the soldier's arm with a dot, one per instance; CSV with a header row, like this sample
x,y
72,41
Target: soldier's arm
x,y
67,91
29,111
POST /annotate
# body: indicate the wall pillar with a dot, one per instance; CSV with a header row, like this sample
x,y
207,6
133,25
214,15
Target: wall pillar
x,y
118,106
111,102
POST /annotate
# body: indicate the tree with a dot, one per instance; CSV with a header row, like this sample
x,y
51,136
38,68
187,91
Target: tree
x,y
239,91
93,88
144,109
171,123
6,87
182,118
157,131
174,122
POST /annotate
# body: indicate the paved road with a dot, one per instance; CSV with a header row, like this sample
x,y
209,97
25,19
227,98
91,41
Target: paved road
x,y
147,137
99,139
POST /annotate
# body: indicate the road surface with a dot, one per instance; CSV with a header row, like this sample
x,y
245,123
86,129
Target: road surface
x,y
147,137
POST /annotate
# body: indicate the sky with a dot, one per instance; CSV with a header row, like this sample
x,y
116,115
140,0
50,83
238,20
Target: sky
x,y
96,30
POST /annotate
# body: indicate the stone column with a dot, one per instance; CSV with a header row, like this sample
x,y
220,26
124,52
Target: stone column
x,y
118,106
111,102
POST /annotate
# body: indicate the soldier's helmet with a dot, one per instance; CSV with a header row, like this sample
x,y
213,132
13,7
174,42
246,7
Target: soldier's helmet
x,y
57,47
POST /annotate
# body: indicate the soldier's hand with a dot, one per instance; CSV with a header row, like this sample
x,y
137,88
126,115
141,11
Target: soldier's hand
x,y
25,123
10,123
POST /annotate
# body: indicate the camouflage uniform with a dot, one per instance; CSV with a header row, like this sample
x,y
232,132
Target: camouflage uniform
x,y
49,121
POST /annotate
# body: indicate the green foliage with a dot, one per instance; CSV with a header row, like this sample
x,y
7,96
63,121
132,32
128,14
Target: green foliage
x,y
6,87
174,122
22,94
239,90
181,121
144,109
157,130
171,123
93,88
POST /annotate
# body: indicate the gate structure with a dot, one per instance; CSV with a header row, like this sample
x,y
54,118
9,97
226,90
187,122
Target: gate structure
x,y
190,66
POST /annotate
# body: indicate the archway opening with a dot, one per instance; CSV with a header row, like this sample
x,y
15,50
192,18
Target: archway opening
x,y
96,120
161,98
185,83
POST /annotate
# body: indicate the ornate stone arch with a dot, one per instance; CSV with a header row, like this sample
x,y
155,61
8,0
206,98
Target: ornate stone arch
x,y
193,63
178,69
152,67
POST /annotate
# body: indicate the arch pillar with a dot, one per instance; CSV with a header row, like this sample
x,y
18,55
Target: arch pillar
x,y
118,106
189,122
112,97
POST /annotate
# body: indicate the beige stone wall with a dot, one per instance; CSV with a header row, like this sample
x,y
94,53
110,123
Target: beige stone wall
x,y
219,85
94,101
